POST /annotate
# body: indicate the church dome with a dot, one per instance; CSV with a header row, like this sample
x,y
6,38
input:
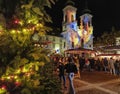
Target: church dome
x,y
69,2
86,11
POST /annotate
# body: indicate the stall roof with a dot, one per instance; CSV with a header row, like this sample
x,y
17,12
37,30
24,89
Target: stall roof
x,y
79,50
114,47
108,55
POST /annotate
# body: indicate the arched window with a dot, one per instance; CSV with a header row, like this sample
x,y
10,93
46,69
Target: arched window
x,y
72,18
65,18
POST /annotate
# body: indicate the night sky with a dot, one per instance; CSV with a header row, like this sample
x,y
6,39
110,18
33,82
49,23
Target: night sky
x,y
106,13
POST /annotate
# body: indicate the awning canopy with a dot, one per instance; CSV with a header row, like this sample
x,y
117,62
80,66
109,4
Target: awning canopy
x,y
114,47
108,55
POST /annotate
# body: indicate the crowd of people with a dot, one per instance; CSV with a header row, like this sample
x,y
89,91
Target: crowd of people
x,y
76,64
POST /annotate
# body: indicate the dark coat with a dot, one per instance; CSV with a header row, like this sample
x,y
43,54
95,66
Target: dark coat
x,y
71,67
61,68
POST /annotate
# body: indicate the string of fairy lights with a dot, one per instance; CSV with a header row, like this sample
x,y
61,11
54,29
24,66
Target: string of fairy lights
x,y
14,78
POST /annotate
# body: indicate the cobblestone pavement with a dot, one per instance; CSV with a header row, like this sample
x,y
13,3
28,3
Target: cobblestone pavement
x,y
95,83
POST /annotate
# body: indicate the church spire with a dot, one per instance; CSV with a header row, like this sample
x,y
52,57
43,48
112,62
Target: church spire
x,y
86,4
86,10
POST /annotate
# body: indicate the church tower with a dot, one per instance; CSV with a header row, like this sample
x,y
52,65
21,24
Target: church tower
x,y
77,37
69,24
86,29
69,15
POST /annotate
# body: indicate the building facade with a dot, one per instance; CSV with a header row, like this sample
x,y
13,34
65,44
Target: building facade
x,y
77,36
54,43
118,41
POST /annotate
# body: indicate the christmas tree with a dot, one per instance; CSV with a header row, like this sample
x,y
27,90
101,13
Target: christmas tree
x,y
25,67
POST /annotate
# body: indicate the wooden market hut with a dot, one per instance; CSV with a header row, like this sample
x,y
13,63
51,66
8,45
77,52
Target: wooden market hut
x,y
110,51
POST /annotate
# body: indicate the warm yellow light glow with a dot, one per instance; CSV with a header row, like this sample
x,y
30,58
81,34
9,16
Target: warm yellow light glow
x,y
8,77
37,24
24,30
13,31
18,71
41,25
15,77
21,22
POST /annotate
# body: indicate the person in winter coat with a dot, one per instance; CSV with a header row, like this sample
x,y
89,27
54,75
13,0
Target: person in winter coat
x,y
61,74
111,65
71,69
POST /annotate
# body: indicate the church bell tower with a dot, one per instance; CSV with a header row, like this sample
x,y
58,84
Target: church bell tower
x,y
86,29
69,24
69,16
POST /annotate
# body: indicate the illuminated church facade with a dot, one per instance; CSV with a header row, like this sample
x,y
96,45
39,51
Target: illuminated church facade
x,y
77,36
